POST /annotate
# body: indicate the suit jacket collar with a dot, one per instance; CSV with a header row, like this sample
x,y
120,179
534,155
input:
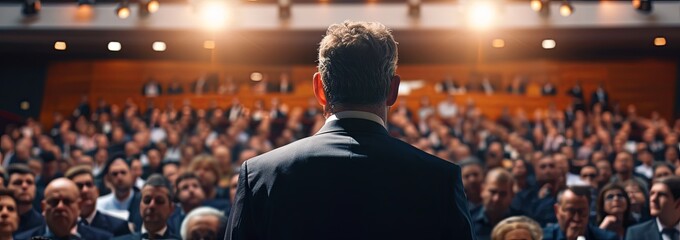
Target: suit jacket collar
x,y
351,125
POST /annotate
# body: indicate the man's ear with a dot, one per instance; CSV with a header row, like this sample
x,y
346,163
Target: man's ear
x,y
319,94
393,91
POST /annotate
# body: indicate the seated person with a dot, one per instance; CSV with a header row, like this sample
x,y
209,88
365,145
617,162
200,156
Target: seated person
x,y
204,223
572,211
664,199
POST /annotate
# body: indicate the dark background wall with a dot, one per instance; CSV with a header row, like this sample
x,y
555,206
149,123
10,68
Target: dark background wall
x,y
19,82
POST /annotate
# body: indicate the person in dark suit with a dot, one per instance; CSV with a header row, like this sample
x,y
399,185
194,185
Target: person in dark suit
x,y
9,217
600,96
89,216
496,195
155,208
190,196
348,180
572,211
61,208
664,199
22,182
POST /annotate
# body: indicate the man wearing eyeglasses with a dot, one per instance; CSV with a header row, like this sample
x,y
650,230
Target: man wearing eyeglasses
x,y
155,208
22,182
572,211
123,202
84,180
61,208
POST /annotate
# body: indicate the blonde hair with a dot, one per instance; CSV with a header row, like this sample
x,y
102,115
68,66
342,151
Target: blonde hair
x,y
514,223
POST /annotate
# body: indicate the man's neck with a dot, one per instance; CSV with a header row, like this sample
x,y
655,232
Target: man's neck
x,y
152,228
188,207
623,176
669,221
494,216
122,195
24,208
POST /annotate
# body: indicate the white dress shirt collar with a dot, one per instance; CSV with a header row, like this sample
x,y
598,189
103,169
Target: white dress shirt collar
x,y
356,114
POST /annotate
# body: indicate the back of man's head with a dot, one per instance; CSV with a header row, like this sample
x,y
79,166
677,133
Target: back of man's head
x,y
357,61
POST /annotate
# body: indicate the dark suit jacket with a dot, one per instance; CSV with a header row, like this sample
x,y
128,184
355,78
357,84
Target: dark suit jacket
x,y
138,236
348,182
554,232
30,220
648,230
135,216
113,225
85,232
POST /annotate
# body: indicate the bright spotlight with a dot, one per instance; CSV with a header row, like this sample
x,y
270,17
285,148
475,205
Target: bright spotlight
x,y
213,14
482,16
566,9
548,44
660,41
158,46
60,45
114,46
123,9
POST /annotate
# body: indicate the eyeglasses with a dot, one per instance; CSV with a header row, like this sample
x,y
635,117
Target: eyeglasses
x,y
80,185
611,197
54,202
592,175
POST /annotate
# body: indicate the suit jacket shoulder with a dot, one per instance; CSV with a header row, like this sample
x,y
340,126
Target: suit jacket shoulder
x,y
131,236
111,224
645,230
350,175
36,231
87,232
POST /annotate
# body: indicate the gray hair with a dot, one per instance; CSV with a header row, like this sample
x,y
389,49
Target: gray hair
x,y
357,61
201,211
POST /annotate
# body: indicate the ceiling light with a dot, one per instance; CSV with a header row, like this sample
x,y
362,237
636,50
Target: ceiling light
x,y
482,15
59,45
114,46
548,44
158,46
123,9
498,43
660,41
566,9
209,44
256,76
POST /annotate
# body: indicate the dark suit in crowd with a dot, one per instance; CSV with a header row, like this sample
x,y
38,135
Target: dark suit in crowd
x,y
554,232
85,232
113,225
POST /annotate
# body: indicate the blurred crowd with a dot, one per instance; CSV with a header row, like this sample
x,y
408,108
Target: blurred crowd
x,y
173,171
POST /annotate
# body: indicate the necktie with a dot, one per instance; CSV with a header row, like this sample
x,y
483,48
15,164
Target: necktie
x,y
672,233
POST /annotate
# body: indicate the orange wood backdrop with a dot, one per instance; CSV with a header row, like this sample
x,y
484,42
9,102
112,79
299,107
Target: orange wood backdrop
x,y
650,84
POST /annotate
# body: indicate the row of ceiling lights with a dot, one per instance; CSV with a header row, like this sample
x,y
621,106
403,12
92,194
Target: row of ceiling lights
x,y
31,7
159,46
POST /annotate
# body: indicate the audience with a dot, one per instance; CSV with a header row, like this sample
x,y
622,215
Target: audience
x,y
613,209
664,207
89,215
9,217
517,228
155,208
112,152
22,182
203,223
61,210
572,211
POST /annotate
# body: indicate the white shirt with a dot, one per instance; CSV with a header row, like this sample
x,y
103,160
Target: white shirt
x,y
356,114
110,204
645,170
661,227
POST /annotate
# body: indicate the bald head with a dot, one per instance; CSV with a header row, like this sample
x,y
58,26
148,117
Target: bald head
x,y
61,184
61,206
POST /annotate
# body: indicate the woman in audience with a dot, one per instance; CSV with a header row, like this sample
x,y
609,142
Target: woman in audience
x,y
517,228
639,206
613,209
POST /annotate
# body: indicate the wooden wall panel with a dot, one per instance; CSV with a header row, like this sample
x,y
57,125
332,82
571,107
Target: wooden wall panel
x,y
647,83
